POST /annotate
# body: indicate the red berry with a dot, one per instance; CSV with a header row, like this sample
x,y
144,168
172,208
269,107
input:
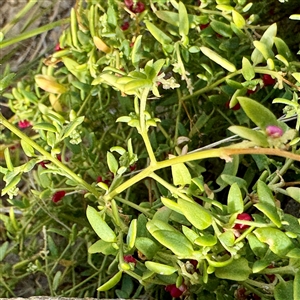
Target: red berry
x,y
245,217
132,167
129,259
203,26
24,124
44,163
138,8
240,293
58,196
236,107
125,26
268,80
175,291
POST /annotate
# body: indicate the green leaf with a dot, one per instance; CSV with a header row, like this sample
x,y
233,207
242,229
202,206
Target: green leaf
x,y
294,192
195,213
168,16
100,226
146,246
111,282
297,285
221,28
284,290
28,149
218,59
136,84
160,268
45,126
207,240
283,49
137,53
267,39
258,113
103,247
131,235
173,240
266,203
238,19
67,131
8,161
278,242
171,204
263,49
227,238
235,200
181,175
12,183
112,163
238,270
183,20
158,34
254,136
190,234
230,168
3,249
258,247
247,69
296,76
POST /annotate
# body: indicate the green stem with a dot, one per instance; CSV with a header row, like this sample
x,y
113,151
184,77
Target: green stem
x,y
48,156
169,186
133,205
212,86
31,33
143,125
224,153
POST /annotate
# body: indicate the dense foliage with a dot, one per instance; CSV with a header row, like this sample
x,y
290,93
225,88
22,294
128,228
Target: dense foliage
x,y
122,176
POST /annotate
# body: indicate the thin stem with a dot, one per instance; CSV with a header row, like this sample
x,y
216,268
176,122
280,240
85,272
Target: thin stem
x,y
133,205
212,86
223,153
31,33
169,186
48,156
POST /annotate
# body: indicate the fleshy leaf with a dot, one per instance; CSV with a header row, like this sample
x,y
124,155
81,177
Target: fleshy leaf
x,y
100,226
254,136
235,200
258,113
266,203
278,242
238,270
195,213
158,268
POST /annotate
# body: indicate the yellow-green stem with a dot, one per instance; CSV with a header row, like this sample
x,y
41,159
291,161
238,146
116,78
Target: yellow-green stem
x,y
223,153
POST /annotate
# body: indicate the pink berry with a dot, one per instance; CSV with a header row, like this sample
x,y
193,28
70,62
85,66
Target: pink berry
x,y
268,80
128,3
244,217
57,47
274,131
24,124
58,196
